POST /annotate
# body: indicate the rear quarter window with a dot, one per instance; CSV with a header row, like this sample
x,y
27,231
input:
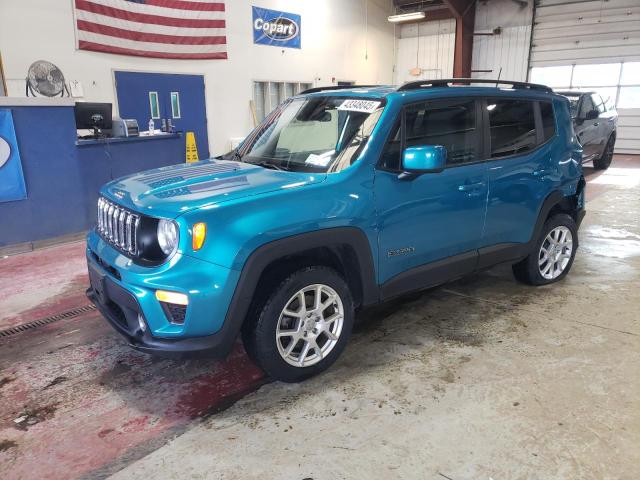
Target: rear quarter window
x,y
548,120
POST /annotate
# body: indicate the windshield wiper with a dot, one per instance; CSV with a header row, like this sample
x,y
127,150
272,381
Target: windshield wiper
x,y
270,165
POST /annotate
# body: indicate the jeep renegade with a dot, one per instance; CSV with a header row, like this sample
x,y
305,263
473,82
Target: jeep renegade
x,y
339,199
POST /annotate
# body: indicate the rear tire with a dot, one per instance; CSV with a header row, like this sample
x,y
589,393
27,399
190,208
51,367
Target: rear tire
x,y
604,161
553,253
303,326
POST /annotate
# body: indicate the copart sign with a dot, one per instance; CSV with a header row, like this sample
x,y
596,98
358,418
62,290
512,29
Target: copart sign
x,y
279,29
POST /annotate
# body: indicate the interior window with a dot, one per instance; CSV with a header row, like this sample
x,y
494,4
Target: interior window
x,y
586,106
512,126
450,123
548,120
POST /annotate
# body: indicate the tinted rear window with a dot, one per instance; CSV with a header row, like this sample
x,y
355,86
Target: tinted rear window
x,y
512,126
548,120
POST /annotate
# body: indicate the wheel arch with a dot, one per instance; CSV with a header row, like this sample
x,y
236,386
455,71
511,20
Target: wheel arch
x,y
556,202
345,249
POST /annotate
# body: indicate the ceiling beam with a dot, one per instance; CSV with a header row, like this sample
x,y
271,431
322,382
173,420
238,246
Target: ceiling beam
x,y
465,14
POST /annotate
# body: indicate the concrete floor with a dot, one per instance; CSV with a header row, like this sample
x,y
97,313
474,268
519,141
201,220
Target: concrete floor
x,y
483,378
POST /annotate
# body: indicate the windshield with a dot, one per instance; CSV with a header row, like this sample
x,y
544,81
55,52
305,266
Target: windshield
x,y
312,134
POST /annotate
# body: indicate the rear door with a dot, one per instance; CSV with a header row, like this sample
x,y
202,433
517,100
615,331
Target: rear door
x,y
163,96
520,169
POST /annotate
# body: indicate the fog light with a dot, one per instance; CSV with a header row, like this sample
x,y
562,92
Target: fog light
x,y
141,322
172,297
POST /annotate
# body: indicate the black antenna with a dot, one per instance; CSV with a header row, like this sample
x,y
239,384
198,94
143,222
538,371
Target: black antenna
x,y
499,74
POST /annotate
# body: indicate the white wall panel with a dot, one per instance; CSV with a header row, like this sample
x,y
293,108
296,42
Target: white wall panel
x,y
628,140
505,54
427,45
592,31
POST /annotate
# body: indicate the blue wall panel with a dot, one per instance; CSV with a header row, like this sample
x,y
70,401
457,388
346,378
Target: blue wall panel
x,y
63,179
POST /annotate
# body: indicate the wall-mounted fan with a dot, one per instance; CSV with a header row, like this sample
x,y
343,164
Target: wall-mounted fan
x,y
44,78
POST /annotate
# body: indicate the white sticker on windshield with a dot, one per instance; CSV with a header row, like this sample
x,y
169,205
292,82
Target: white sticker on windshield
x,y
319,160
366,106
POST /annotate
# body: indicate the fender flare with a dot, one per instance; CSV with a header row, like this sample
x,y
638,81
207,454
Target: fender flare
x,y
269,252
553,199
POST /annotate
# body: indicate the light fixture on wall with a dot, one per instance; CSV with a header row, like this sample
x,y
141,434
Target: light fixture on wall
x,y
406,17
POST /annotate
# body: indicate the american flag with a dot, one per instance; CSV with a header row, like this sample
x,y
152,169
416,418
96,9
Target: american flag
x,y
187,29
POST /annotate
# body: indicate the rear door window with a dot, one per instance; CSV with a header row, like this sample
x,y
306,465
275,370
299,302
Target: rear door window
x,y
512,126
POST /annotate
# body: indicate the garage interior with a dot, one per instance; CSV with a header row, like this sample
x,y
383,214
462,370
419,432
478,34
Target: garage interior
x,y
481,378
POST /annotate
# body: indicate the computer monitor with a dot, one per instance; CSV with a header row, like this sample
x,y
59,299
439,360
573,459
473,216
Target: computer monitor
x,y
90,115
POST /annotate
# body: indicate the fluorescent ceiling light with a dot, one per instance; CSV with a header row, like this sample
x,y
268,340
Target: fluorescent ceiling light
x,y
406,17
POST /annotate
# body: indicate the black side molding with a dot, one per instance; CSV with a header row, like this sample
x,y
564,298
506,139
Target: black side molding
x,y
429,275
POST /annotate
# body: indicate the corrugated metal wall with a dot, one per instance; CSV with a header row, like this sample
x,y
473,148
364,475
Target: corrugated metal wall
x,y
505,54
574,32
591,32
426,45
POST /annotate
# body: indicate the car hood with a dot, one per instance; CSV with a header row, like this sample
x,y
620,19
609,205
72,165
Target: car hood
x,y
172,191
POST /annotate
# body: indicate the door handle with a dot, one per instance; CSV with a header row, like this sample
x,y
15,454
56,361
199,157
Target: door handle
x,y
541,173
469,187
596,124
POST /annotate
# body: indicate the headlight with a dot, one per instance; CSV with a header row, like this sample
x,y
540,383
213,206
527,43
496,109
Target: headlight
x,y
167,236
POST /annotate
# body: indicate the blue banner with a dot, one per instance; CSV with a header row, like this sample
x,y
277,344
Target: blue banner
x,y
11,180
278,29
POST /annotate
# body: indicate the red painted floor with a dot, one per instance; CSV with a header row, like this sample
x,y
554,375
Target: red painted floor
x,y
86,403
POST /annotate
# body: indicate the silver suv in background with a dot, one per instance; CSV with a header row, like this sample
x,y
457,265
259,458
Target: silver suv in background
x,y
595,125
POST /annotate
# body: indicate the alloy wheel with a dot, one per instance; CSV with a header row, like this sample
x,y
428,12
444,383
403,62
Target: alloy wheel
x,y
310,325
555,252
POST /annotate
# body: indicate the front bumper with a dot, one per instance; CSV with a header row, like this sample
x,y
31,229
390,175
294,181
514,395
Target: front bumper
x,y
123,292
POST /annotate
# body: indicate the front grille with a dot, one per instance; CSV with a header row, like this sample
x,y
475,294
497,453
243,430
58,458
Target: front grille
x,y
118,226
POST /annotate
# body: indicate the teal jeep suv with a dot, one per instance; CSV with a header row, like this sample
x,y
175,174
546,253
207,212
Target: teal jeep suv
x,y
339,199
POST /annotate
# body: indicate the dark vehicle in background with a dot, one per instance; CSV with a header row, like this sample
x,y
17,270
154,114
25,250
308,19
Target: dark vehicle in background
x,y
595,124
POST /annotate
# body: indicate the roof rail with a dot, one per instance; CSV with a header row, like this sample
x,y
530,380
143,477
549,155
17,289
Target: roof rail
x,y
445,82
336,87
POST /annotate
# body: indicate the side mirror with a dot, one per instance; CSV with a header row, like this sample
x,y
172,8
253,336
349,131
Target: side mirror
x,y
592,114
423,159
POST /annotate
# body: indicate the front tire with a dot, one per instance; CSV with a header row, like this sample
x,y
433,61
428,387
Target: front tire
x,y
303,326
553,253
604,161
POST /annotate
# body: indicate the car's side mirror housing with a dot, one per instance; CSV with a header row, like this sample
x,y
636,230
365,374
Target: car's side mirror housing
x,y
423,159
592,115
